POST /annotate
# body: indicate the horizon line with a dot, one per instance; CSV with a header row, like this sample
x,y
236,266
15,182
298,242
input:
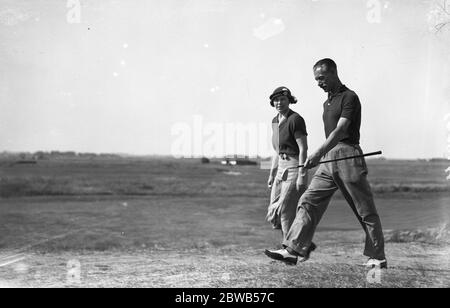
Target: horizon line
x,y
124,154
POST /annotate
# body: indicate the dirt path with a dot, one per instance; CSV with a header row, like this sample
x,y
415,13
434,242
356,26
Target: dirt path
x,y
411,265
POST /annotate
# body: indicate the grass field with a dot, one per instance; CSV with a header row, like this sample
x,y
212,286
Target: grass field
x,y
166,222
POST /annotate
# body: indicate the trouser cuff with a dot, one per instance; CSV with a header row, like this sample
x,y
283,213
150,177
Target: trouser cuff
x,y
297,249
373,255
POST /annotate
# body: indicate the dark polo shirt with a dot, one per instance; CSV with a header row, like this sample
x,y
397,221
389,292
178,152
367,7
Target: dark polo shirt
x,y
343,104
284,135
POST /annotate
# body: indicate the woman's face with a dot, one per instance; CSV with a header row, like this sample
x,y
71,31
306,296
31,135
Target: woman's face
x,y
281,103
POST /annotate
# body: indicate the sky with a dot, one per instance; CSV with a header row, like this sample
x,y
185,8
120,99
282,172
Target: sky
x,y
182,77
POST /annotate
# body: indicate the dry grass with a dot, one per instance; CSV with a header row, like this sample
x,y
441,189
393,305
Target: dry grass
x,y
174,223
188,242
230,267
189,178
436,235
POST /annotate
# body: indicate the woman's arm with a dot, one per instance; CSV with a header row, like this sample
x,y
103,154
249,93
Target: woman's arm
x,y
273,170
274,167
302,180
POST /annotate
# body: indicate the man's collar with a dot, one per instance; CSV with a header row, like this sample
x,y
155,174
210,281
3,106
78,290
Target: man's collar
x,y
341,89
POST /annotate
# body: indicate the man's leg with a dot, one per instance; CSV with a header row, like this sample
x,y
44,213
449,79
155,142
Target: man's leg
x,y
352,181
312,205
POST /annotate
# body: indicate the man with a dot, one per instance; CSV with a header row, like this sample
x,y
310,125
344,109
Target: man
x,y
342,121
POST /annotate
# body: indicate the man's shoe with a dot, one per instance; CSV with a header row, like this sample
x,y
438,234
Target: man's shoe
x,y
282,255
305,258
372,263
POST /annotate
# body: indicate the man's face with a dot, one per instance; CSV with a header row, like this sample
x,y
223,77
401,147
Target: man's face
x,y
325,79
281,103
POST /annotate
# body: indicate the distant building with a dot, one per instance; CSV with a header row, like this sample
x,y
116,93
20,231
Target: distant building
x,y
205,160
26,162
238,161
439,160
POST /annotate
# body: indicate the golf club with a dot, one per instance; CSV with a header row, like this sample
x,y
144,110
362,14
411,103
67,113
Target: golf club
x,y
286,171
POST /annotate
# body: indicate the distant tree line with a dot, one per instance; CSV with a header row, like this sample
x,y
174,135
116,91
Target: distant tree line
x,y
43,155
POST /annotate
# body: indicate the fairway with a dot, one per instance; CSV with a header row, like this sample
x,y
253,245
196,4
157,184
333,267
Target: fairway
x,y
164,222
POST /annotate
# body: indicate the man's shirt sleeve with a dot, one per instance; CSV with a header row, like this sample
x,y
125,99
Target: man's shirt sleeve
x,y
350,106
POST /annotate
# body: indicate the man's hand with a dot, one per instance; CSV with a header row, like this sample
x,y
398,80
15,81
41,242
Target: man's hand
x,y
270,181
313,160
302,181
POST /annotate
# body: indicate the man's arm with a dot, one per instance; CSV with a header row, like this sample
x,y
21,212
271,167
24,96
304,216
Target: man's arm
x,y
333,139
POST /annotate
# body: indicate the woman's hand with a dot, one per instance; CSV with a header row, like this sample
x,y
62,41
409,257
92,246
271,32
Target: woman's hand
x,y
270,181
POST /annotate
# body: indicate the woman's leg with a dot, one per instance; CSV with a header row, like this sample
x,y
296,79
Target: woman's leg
x,y
273,211
289,201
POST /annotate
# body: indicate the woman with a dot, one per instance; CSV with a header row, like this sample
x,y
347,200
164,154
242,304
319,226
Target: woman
x,y
289,141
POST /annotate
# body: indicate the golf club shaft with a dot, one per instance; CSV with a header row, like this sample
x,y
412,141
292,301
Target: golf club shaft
x,y
343,158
